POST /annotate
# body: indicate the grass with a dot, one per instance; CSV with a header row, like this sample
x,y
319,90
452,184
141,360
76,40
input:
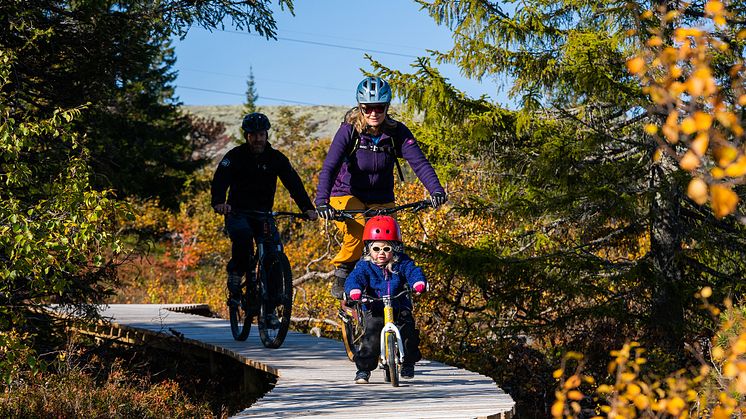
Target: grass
x,y
102,380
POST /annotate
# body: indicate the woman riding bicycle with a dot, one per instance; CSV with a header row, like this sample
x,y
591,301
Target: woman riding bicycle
x,y
385,270
358,172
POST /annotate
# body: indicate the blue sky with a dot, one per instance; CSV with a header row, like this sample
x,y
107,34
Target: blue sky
x,y
317,57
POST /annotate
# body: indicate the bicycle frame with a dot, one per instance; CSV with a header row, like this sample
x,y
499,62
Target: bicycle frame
x,y
389,360
390,327
269,262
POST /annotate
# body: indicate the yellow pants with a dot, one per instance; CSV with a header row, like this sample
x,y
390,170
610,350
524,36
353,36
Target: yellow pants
x,y
352,229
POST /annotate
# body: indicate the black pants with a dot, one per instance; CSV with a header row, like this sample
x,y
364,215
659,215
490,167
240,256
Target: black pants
x,y
367,357
243,231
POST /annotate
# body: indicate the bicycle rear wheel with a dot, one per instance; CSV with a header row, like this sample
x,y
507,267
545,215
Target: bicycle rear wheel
x,y
353,329
241,313
277,300
391,359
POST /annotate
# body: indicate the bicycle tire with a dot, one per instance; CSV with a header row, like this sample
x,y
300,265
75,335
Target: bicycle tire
x,y
240,314
277,298
353,329
391,359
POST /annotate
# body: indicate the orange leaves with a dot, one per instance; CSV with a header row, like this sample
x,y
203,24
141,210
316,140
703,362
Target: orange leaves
x,y
724,200
703,129
636,65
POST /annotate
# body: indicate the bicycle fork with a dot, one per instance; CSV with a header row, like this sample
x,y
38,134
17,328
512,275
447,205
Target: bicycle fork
x,y
390,327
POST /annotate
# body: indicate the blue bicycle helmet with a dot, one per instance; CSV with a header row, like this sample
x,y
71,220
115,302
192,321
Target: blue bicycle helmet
x,y
255,122
373,90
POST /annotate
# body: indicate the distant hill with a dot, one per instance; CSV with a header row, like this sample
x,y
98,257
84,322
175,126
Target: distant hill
x,y
325,118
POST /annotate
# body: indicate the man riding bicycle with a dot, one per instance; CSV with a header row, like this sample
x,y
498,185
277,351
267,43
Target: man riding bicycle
x,y
249,174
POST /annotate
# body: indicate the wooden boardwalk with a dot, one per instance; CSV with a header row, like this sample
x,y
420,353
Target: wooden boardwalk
x,y
315,378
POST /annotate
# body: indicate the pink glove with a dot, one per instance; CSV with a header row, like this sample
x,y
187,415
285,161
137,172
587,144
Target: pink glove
x,y
419,287
356,294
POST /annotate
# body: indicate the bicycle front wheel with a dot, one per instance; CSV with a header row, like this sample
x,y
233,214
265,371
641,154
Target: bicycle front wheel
x,y
240,313
391,359
277,300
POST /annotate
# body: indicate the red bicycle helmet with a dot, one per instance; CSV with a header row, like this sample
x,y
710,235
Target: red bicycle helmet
x,y
382,228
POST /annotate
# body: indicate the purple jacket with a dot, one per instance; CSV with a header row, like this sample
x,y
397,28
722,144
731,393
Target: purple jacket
x,y
369,175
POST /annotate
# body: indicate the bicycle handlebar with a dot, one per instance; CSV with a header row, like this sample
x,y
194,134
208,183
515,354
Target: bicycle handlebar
x,y
365,298
300,215
341,215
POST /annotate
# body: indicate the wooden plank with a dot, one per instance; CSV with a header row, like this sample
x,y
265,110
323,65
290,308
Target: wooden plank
x,y
316,378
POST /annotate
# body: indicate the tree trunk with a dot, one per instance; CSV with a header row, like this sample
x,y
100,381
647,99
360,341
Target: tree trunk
x,y
666,321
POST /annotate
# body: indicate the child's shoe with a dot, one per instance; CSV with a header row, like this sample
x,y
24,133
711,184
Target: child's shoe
x,y
407,371
362,377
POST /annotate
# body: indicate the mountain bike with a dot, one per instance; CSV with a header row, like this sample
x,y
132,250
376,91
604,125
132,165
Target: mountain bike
x,y
268,297
392,347
353,326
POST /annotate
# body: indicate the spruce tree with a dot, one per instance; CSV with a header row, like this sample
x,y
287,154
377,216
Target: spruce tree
x,y
115,59
251,96
600,242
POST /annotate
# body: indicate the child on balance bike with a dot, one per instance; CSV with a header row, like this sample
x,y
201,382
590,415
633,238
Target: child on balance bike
x,y
385,270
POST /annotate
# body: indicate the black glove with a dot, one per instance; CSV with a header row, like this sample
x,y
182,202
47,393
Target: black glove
x,y
325,211
438,199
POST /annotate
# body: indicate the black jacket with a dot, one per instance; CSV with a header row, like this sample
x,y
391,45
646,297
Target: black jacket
x,y
251,180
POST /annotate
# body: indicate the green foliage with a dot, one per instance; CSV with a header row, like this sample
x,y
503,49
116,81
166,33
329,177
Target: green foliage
x,y
115,59
56,240
598,241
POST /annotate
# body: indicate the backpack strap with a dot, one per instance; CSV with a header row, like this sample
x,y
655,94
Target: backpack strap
x,y
376,149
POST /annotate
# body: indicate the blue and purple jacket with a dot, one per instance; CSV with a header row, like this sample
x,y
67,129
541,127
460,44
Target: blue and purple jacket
x,y
369,175
374,280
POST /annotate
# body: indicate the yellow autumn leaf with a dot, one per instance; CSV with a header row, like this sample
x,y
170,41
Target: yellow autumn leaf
x,y
557,409
572,382
633,390
690,161
714,7
651,129
641,401
737,168
647,14
655,41
700,143
719,20
627,377
725,155
720,412
697,190
730,370
688,126
604,389
718,353
675,406
740,346
575,395
706,292
702,120
695,86
558,373
636,65
657,155
742,100
717,173
723,200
